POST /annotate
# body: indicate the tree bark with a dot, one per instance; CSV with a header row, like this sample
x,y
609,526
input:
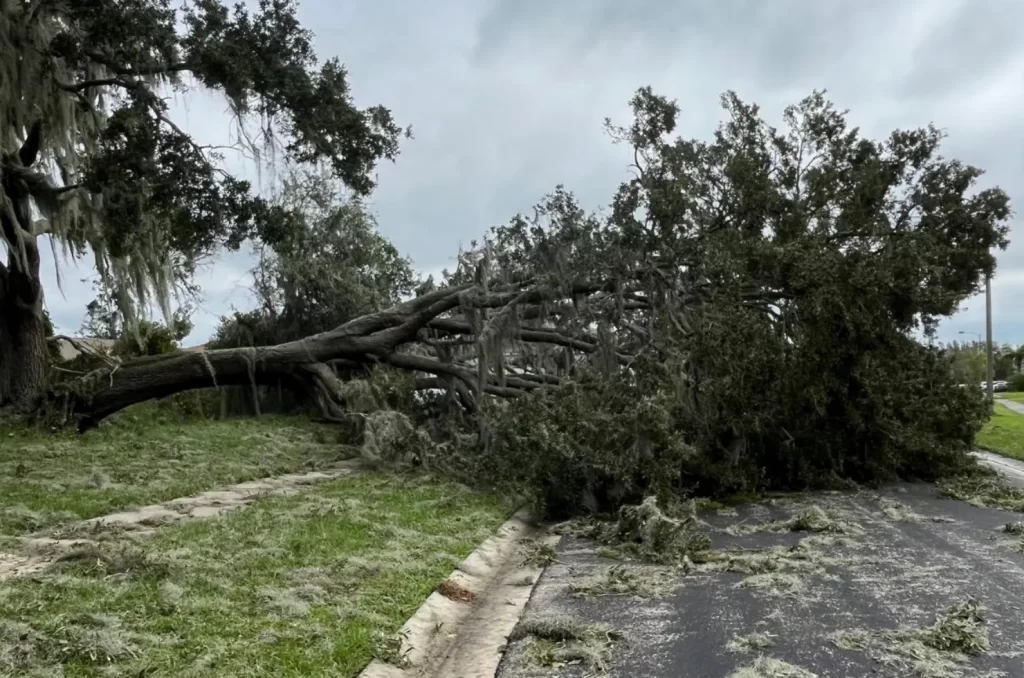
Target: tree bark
x,y
363,342
24,359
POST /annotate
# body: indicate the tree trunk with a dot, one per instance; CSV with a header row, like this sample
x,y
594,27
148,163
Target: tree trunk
x,y
24,359
365,341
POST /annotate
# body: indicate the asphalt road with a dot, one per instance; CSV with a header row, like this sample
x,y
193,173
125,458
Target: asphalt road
x,y
896,569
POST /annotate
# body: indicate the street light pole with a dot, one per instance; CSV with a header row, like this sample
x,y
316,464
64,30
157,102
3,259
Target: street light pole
x,y
988,341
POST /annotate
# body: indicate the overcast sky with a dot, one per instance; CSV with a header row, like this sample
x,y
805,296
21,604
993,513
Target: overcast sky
x,y
507,98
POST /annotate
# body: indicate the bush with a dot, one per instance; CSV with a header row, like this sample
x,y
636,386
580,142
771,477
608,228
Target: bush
x,y
1016,382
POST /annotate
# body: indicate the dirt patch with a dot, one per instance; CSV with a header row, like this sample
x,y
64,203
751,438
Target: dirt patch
x,y
454,591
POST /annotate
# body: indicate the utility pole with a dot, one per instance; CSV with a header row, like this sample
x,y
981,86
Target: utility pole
x,y
988,341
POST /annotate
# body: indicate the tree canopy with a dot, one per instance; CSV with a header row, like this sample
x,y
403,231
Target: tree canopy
x,y
90,144
331,266
742,318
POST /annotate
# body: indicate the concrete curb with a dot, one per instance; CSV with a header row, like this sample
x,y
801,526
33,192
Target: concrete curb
x,y
462,634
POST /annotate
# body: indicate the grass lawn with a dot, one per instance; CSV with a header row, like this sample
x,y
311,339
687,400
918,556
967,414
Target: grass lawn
x,y
314,584
142,457
1014,395
1004,433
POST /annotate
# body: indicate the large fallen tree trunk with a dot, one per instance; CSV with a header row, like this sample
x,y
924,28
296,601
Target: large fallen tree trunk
x,y
369,340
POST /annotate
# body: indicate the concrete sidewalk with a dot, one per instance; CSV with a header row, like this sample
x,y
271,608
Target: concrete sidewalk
x,y
1011,405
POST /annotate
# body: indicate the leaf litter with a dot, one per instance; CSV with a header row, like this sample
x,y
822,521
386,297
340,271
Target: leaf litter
x,y
940,650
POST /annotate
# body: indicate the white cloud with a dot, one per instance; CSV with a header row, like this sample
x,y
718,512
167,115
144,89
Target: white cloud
x,y
506,99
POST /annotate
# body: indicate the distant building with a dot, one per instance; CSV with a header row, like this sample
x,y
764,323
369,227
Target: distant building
x,y
69,351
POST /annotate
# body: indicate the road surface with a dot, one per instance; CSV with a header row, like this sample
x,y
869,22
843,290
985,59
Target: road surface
x,y
908,555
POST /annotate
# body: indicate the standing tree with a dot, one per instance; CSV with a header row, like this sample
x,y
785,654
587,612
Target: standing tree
x,y
92,160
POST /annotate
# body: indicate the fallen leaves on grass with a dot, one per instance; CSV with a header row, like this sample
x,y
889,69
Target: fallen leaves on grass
x,y
50,480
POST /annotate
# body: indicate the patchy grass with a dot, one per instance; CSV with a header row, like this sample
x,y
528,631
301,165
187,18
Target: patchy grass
x,y
1003,433
137,459
314,584
1011,395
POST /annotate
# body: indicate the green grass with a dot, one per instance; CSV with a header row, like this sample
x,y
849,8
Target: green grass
x,y
48,480
1003,433
309,585
1013,395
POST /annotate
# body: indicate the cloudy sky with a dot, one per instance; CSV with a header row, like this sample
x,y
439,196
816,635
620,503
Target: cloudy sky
x,y
507,98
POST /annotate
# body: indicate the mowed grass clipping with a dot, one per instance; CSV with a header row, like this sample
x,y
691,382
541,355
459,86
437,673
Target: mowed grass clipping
x,y
1003,433
48,480
314,584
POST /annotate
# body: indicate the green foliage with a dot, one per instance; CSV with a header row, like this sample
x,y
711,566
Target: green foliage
x,y
765,288
1016,382
590,445
153,338
87,137
331,267
970,361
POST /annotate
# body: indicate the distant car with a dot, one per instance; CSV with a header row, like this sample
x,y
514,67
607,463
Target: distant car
x,y
1000,386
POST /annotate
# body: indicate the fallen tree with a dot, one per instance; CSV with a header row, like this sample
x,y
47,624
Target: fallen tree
x,y
746,317
313,361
